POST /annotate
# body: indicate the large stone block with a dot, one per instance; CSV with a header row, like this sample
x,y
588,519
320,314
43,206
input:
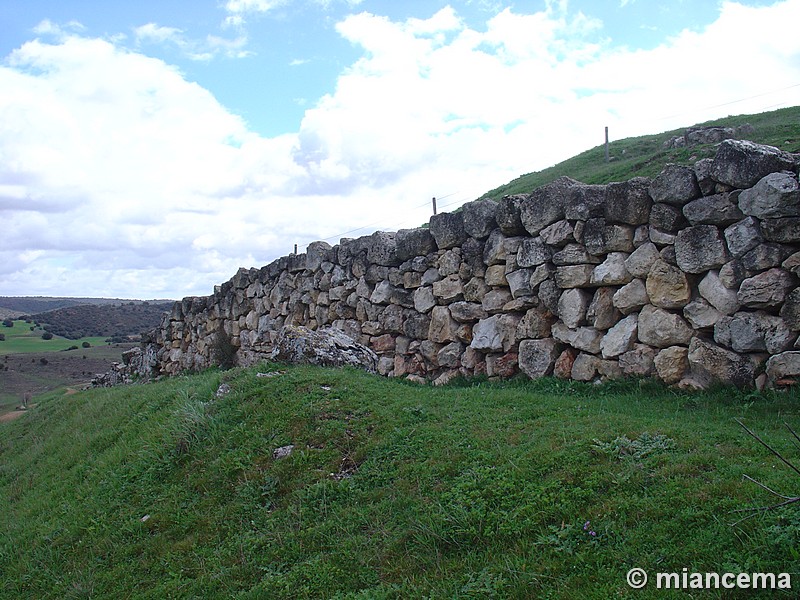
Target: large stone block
x,y
741,164
537,357
443,327
671,364
675,185
601,237
448,230
631,297
494,334
667,286
572,307
508,215
620,338
382,249
774,196
766,289
700,248
784,231
545,205
533,252
784,366
414,242
642,259
712,363
585,202
743,236
661,329
628,202
612,271
601,313
719,209
479,217
586,339
759,332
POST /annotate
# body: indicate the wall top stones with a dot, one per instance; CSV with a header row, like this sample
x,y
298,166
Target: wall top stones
x,y
690,277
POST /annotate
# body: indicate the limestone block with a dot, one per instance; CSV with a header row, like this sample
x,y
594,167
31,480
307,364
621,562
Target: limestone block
x,y
700,314
424,300
537,357
467,312
775,195
709,361
666,217
642,259
601,237
667,286
783,231
700,248
601,313
720,209
612,271
508,215
661,329
496,276
675,185
449,289
479,218
475,289
583,338
573,254
558,234
758,332
764,256
382,249
519,282
671,364
791,310
766,289
741,164
564,363
417,326
783,366
536,323
639,362
631,297
494,334
620,338
572,307
574,276
743,236
533,252
494,300
585,202
443,327
545,205
448,230
628,202
450,355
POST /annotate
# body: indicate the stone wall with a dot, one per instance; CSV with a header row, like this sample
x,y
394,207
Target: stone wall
x,y
689,277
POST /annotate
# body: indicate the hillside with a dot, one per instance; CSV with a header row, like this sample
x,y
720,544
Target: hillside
x,y
103,320
319,483
645,156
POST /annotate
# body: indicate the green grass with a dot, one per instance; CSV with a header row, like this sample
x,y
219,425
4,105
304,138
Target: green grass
x,y
474,490
645,156
22,339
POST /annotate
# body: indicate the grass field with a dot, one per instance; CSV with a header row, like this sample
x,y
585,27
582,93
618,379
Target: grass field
x,y
25,338
545,489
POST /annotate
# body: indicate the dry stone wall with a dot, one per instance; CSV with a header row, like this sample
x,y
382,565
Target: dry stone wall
x,y
690,277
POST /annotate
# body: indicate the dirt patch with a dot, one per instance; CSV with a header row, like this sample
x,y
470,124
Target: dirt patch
x,y
39,372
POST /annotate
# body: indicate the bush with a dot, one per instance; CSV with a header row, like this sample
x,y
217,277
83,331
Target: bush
x,y
8,323
47,335
86,345
2,337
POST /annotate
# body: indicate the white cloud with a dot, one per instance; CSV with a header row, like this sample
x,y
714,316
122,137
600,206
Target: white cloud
x,y
120,177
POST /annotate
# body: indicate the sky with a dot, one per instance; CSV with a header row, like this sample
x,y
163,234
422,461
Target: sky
x,y
149,149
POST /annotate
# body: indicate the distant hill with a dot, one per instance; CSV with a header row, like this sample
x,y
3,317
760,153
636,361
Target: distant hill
x,y
646,156
113,320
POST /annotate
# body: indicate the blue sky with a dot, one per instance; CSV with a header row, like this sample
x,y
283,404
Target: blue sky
x,y
149,149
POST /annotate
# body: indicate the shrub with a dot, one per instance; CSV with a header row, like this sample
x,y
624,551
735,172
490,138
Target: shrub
x,y
86,345
8,323
47,335
2,337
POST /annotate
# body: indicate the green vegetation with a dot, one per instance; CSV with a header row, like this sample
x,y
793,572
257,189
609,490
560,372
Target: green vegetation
x,y
27,337
525,489
645,156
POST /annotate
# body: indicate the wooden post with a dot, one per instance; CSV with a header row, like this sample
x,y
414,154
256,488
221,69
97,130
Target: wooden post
x,y
607,144
434,205
295,248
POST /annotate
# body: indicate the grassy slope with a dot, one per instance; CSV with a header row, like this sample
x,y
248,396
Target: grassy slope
x,y
645,156
479,491
21,339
